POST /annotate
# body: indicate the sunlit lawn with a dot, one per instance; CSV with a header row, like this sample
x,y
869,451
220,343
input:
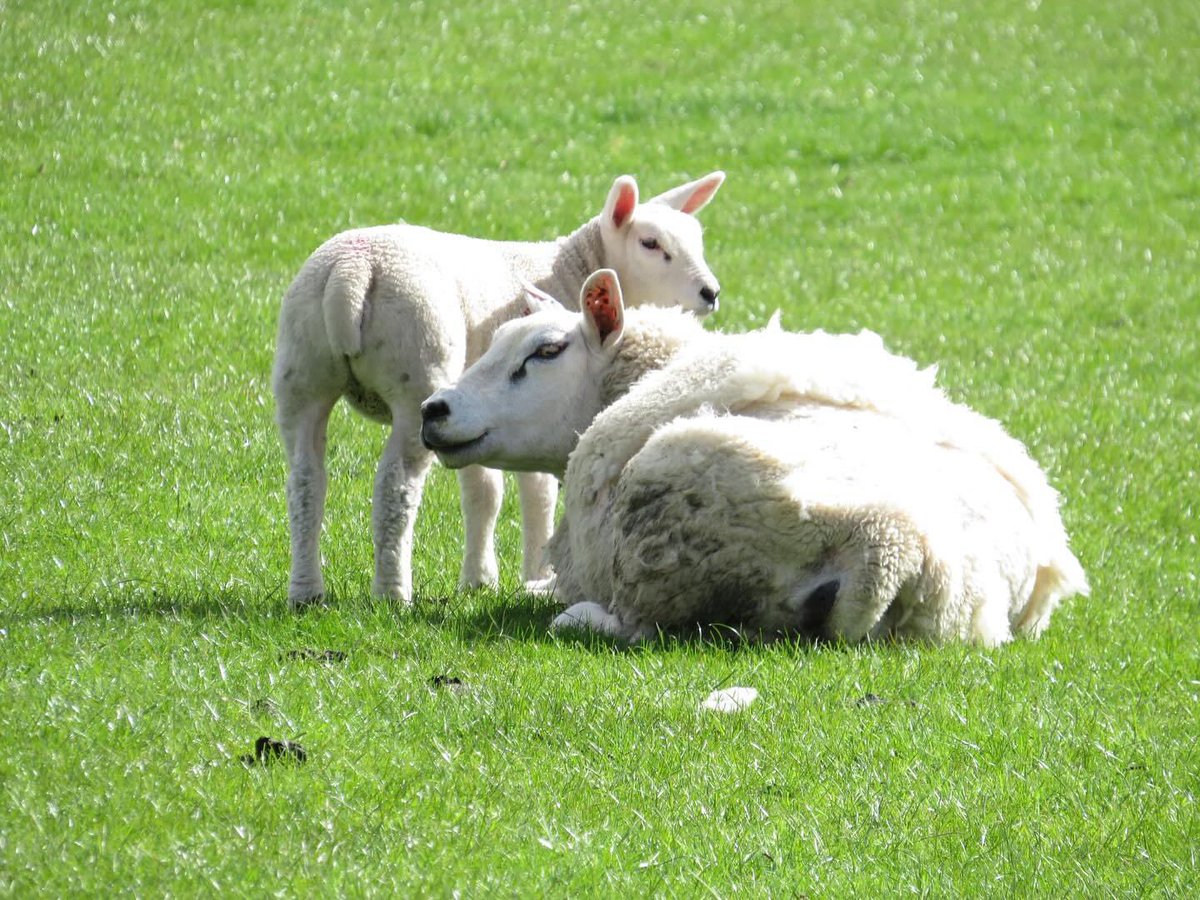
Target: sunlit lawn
x,y
1008,190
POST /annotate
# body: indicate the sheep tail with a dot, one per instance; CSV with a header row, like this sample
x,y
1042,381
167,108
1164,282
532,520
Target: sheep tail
x,y
346,292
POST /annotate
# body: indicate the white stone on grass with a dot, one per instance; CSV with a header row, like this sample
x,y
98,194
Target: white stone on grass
x,y
730,700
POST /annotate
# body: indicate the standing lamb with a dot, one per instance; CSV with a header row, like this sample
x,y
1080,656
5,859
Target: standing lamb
x,y
384,316
805,483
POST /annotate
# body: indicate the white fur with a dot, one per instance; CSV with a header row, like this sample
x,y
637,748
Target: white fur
x,y
384,316
739,480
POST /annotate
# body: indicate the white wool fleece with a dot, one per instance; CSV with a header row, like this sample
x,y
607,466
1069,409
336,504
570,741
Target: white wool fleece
x,y
754,471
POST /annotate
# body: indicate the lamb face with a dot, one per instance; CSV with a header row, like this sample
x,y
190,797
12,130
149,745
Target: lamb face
x,y
523,405
658,246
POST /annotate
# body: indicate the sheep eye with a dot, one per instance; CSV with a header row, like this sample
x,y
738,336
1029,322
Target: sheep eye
x,y
549,351
544,351
650,243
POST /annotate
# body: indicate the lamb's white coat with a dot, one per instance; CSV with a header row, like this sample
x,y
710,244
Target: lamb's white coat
x,y
802,482
384,316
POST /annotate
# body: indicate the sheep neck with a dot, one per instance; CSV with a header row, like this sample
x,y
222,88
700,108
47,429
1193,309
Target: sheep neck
x,y
647,347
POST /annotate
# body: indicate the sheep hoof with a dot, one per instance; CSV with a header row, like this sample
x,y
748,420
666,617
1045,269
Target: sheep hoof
x,y
588,616
542,585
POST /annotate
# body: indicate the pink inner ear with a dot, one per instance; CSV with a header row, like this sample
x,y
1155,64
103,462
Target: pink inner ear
x,y
602,308
624,207
699,197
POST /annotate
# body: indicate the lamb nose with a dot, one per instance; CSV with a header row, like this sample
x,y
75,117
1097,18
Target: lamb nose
x,y
709,296
434,409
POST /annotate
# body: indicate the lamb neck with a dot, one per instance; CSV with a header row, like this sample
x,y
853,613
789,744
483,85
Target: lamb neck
x,y
560,267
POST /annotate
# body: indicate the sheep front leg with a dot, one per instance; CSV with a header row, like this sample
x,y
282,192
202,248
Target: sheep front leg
x,y
590,616
538,495
304,430
481,492
399,483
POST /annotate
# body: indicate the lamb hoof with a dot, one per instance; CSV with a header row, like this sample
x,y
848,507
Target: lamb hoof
x,y
392,594
299,602
481,577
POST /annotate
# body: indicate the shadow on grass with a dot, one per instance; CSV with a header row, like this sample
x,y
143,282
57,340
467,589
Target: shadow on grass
x,y
476,615
121,604
496,616
133,600
483,616
524,617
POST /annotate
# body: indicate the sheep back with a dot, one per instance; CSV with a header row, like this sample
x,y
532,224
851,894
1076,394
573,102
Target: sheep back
x,y
734,480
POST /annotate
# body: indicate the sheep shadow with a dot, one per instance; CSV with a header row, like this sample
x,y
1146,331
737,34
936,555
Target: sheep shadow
x,y
487,616
524,617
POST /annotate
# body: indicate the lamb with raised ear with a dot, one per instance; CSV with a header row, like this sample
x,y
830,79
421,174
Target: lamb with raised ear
x,y
385,316
803,483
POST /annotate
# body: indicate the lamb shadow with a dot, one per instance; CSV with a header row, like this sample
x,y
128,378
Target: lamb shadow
x,y
162,601
517,616
132,605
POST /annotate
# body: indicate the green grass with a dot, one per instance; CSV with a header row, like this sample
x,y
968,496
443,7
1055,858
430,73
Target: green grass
x,y
1010,190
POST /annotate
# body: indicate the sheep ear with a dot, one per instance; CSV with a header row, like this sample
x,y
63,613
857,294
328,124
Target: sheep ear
x,y
603,311
692,197
622,201
536,300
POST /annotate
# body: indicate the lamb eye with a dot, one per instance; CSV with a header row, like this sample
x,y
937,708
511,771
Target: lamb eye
x,y
650,243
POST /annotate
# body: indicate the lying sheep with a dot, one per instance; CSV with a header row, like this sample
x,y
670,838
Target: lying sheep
x,y
384,316
804,483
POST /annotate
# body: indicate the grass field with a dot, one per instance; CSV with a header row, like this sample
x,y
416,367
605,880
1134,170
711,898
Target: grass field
x,y
1010,190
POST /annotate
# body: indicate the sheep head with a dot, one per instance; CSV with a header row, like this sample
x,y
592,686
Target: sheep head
x,y
524,403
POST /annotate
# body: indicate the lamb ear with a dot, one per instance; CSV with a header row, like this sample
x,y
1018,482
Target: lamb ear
x,y
536,300
692,197
603,311
622,201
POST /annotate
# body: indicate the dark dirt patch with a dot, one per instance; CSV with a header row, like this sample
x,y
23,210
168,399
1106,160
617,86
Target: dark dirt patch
x,y
876,700
265,706
269,750
316,655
